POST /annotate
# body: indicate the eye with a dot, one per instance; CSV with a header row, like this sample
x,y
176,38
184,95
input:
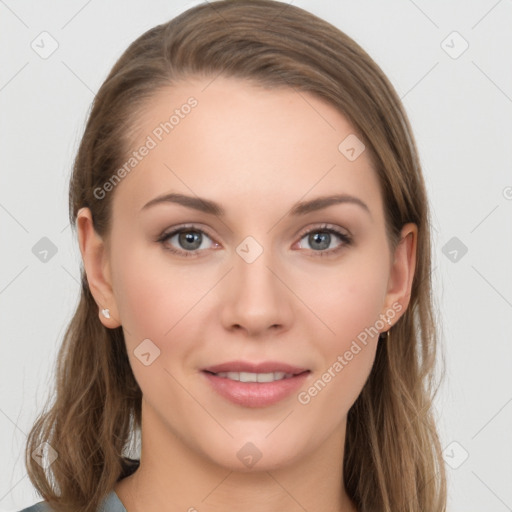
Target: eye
x,y
320,239
188,239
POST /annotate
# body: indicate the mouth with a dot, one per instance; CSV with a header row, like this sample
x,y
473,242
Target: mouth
x,y
266,371
255,385
254,377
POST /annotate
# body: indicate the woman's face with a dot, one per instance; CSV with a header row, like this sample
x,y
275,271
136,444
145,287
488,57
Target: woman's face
x,y
261,277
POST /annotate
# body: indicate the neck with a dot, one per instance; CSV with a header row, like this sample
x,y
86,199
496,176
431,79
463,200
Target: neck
x,y
172,476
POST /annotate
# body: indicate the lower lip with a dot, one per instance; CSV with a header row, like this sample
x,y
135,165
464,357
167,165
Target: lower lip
x,y
255,394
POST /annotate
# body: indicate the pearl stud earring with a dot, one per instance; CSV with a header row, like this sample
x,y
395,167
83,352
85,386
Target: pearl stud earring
x,y
106,313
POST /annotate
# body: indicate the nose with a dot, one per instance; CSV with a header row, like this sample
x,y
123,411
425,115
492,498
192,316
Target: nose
x,y
255,296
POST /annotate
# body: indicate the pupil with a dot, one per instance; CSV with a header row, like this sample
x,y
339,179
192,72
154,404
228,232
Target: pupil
x,y
319,238
189,237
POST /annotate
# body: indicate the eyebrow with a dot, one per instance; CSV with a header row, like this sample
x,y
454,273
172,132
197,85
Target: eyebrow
x,y
300,208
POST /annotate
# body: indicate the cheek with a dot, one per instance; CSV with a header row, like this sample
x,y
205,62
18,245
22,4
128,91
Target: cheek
x,y
348,298
162,304
160,301
151,293
349,301
352,312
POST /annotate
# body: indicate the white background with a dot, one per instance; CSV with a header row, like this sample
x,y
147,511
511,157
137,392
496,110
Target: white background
x,y
461,113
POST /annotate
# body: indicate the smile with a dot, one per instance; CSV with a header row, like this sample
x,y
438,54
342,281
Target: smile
x,y
255,377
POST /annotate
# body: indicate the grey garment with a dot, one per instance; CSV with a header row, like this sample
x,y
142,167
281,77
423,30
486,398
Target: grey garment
x,y
111,503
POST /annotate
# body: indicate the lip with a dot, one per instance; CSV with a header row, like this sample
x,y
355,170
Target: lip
x,y
255,394
263,367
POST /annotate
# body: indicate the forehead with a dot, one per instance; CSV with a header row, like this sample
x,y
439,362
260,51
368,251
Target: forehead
x,y
212,137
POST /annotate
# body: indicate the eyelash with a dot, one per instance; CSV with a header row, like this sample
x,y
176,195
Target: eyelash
x,y
325,228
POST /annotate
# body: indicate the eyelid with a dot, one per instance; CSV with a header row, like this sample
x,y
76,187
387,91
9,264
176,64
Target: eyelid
x,y
324,226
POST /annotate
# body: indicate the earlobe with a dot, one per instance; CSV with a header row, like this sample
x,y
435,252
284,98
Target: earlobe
x,y
403,269
95,261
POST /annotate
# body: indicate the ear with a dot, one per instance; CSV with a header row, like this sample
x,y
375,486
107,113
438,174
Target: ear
x,y
402,271
97,268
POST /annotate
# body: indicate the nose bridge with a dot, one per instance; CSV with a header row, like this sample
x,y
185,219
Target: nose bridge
x,y
252,264
256,299
251,268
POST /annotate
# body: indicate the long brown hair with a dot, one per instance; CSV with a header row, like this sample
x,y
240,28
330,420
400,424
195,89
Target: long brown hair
x,y
393,458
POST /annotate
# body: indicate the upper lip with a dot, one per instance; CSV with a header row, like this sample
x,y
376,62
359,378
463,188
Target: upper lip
x,y
263,367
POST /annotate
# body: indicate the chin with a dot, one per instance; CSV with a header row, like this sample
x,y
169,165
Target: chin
x,y
252,456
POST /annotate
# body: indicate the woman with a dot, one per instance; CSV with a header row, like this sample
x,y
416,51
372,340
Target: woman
x,y
256,294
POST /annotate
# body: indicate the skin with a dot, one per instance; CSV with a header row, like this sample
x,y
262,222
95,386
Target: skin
x,y
256,152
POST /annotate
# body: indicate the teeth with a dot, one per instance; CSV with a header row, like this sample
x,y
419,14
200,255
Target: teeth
x,y
255,377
